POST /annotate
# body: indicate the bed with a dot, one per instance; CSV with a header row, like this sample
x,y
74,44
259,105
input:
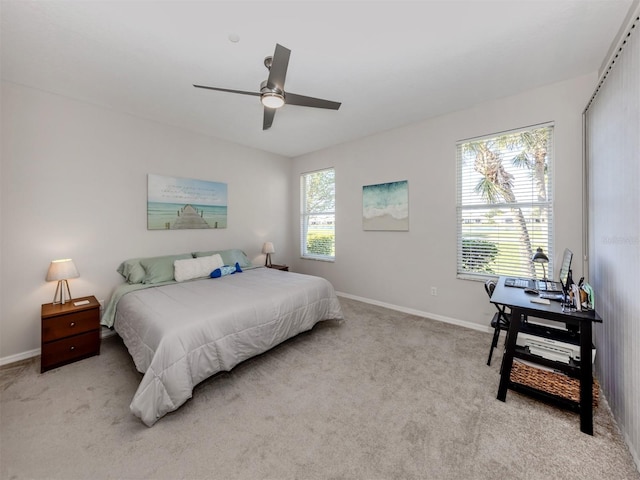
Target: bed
x,y
181,332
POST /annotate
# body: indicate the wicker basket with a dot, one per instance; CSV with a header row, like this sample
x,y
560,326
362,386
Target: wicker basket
x,y
551,382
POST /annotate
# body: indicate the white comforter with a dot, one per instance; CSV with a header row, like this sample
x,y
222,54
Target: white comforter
x,y
182,333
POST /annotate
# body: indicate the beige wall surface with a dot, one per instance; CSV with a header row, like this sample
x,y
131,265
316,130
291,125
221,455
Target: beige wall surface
x,y
399,268
74,184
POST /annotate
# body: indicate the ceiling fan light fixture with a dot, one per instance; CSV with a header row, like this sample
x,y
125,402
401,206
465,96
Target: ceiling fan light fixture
x,y
272,100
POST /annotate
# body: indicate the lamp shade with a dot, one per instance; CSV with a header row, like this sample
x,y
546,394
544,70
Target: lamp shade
x,y
268,248
539,256
62,270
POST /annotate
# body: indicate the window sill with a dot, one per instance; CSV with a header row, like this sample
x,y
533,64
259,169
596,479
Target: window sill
x,y
320,259
476,278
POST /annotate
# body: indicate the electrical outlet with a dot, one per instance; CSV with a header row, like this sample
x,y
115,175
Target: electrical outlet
x,y
434,291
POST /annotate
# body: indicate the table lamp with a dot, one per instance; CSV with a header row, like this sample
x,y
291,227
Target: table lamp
x,y
268,249
62,270
541,258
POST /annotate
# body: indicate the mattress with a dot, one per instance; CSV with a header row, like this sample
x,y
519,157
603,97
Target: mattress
x,y
182,333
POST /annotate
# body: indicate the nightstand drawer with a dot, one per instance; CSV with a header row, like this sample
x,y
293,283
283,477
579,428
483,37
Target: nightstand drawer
x,y
70,349
71,324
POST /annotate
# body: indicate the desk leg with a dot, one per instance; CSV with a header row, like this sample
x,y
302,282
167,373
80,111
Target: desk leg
x,y
507,359
586,379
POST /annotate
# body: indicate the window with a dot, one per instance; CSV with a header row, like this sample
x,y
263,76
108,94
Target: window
x,y
318,215
504,204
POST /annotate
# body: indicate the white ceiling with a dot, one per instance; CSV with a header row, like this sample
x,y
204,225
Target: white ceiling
x,y
389,63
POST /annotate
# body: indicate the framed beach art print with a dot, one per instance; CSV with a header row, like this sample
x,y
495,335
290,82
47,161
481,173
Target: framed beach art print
x,y
182,203
385,206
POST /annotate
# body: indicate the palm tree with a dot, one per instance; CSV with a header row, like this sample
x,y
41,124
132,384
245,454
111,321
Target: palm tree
x,y
496,183
534,145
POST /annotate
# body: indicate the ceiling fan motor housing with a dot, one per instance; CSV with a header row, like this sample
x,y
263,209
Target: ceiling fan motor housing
x,y
264,88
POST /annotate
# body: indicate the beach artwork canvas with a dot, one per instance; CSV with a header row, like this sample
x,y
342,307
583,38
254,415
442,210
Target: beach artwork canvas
x,y
183,203
385,206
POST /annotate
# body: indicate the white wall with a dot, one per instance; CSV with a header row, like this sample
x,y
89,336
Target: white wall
x,y
74,185
398,268
74,180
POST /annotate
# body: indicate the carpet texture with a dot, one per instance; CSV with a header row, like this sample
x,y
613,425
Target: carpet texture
x,y
383,395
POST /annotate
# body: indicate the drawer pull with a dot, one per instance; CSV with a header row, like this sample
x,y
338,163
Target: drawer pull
x,y
72,324
72,348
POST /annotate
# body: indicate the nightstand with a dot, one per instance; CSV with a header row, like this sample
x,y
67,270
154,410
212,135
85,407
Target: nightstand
x,y
284,268
69,332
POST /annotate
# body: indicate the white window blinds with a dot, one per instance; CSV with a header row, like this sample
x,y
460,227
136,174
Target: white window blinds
x,y
317,217
505,204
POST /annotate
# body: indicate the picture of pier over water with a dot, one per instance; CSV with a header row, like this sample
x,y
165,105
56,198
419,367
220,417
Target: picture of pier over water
x,y
181,203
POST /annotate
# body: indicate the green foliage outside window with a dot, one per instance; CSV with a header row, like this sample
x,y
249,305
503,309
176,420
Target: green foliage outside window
x,y
320,243
318,214
477,255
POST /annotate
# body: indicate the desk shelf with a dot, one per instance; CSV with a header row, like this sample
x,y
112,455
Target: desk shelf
x,y
550,332
550,386
546,397
572,369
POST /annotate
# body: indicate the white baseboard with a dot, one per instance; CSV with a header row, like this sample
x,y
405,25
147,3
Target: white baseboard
x,y
19,357
34,353
418,313
454,321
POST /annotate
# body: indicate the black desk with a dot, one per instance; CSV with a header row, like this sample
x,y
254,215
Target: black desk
x,y
521,305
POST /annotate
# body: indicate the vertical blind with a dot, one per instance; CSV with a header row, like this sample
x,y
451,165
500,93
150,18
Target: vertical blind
x,y
317,216
504,203
612,126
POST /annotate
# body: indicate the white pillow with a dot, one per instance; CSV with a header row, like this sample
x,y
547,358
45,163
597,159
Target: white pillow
x,y
191,268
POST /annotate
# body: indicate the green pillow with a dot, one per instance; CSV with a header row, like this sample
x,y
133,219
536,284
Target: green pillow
x,y
131,270
205,254
229,257
160,269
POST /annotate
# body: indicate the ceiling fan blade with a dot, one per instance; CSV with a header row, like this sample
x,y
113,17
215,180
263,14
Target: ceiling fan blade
x,y
242,92
269,113
279,65
303,101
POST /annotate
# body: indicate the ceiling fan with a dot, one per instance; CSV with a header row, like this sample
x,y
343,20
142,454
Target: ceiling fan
x,y
272,94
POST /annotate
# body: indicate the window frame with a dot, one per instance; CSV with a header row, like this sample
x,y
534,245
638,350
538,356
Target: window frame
x,y
538,213
305,215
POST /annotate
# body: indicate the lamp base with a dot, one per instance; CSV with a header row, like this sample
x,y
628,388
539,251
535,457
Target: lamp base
x,y
267,260
62,297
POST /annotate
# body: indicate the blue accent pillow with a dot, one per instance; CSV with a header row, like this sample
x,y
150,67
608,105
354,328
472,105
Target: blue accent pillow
x,y
226,270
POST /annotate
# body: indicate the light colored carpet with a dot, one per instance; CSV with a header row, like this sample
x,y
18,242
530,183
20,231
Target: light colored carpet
x,y
384,395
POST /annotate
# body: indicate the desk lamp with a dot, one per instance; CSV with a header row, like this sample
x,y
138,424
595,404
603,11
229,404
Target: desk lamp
x,y
541,258
268,249
62,270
